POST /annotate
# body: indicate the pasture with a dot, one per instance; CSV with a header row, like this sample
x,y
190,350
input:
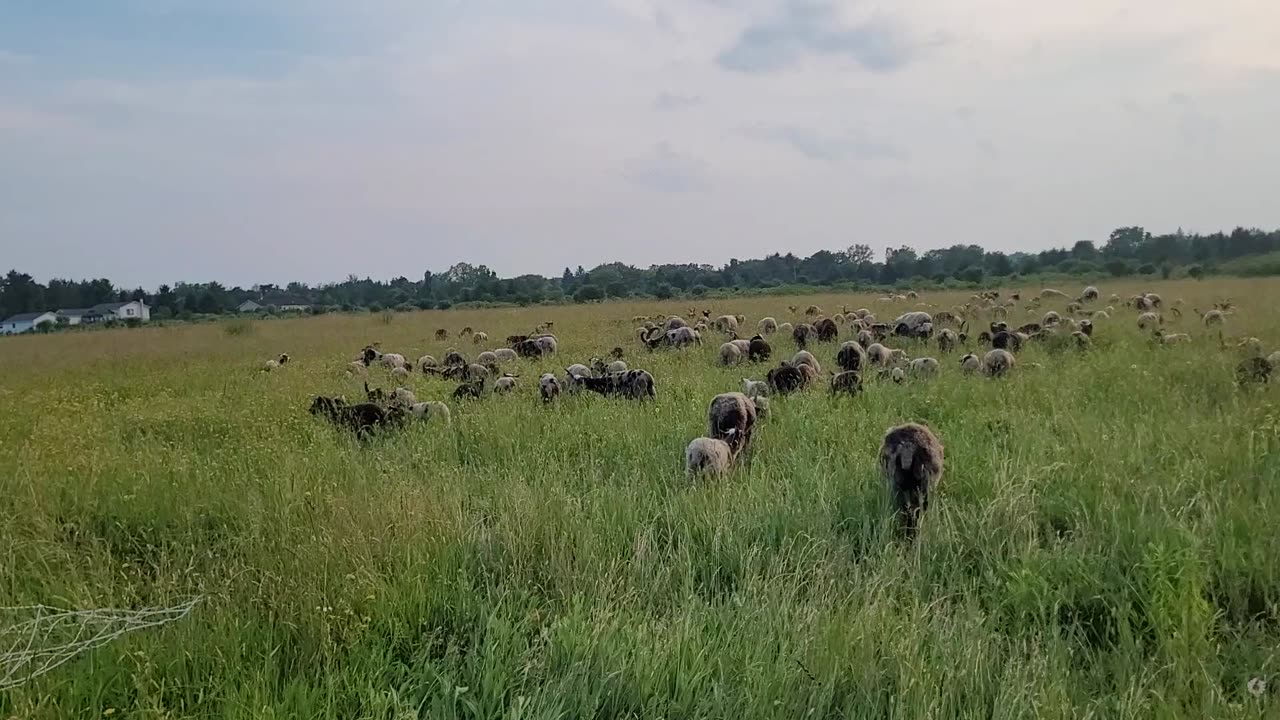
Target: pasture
x,y
1103,543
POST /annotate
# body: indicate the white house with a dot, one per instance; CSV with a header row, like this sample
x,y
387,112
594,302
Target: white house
x,y
250,306
25,322
132,310
73,316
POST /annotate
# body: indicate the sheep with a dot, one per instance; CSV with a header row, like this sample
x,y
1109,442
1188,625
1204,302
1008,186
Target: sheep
x,y
804,357
426,361
374,395
730,354
707,456
400,374
357,368
851,357
392,361
634,384
866,338
617,353
758,349
548,387
1213,317
826,330
487,358
1051,293
786,379
878,354
947,340
1050,319
442,334
617,366
674,322
924,367
1082,340
812,311
465,331
1141,303
726,324
453,358
911,458
1005,340
802,333
683,337
1148,320
431,411
472,389
362,419
915,324
862,313
1254,370
401,397
546,344
762,407
1172,338
1251,347
1086,327
754,388
1155,300
504,384
785,328
894,374
744,346
476,372
970,363
997,363
1090,294
849,381
731,417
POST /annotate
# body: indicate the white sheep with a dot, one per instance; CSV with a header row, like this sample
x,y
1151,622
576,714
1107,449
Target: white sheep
x,y
357,369
487,358
617,366
549,387
1090,294
754,388
997,363
506,355
504,384
547,344
767,326
726,324
431,411
1213,317
804,357
970,363
730,354
924,367
707,456
878,354
400,373
427,361
403,397
480,337
392,360
785,329
1148,320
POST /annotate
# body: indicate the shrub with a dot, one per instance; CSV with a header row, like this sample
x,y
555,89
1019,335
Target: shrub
x,y
238,326
587,293
698,290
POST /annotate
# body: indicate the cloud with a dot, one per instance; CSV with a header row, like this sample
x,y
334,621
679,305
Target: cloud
x,y
816,145
668,171
877,44
674,101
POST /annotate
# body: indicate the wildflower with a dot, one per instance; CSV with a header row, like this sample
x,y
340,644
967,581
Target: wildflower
x,y
1257,687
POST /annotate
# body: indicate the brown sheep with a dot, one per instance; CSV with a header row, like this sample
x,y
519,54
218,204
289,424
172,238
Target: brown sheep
x,y
911,458
849,381
731,417
759,349
826,330
801,334
997,363
851,357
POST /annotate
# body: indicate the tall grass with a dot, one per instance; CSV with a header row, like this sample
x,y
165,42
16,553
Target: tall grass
x,y
1103,543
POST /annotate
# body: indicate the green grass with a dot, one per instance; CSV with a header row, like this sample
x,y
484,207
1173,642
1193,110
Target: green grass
x,y
1104,542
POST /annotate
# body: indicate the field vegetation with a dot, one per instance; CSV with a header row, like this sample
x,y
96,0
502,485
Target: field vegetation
x,y
1104,542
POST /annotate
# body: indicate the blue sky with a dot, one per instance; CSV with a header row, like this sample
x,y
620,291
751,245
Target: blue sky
x,y
250,141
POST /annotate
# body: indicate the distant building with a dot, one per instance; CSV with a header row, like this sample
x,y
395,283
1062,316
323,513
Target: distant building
x,y
276,302
106,312
72,316
26,322
249,306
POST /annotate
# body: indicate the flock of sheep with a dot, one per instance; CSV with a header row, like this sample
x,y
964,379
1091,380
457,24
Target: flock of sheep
x,y
911,456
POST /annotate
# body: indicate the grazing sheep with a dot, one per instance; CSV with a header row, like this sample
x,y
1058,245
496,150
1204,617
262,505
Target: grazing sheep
x,y
730,354
401,397
479,337
762,407
1090,294
1172,338
1050,319
549,387
546,344
1250,347
487,358
374,395
1155,300
997,363
878,354
758,349
357,368
504,385
1274,359
970,363
801,334
707,456
726,324
1051,293
754,388
866,338
915,324
634,384
431,411
731,417
849,381
617,366
785,328
674,322
744,346
1141,303
826,330
392,361
426,361
362,419
923,367
1005,340
911,458
785,380
453,358
1213,317
469,390
804,357
894,374
1082,340
683,337
947,340
400,374
442,334
1254,370
851,357
1086,327
812,310
1148,320
465,331
476,372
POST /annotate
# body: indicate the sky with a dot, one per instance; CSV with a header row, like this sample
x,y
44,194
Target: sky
x,y
254,141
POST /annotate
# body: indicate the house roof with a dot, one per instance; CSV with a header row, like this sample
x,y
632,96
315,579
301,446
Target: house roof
x,y
26,317
284,300
74,311
107,307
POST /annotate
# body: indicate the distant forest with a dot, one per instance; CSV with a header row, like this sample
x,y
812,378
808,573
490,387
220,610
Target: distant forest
x,y
1128,251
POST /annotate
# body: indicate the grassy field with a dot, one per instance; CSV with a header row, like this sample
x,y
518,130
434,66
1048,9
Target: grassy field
x,y
1106,541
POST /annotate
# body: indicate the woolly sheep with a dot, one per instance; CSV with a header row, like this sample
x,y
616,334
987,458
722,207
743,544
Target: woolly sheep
x,y
431,411
548,387
767,326
849,381
357,368
547,344
1090,293
504,385
1050,319
1254,370
786,379
947,340
754,388
762,406
1251,347
1274,359
487,358
785,328
1155,300
801,334
924,367
476,372
1082,340
402,397
505,355
673,322
1050,292
707,456
758,349
866,338
970,363
851,357
479,337
826,330
1148,320
453,358
880,355
1213,317
617,366
731,417
911,459
997,363
744,346
1172,338
730,354
804,357
426,361
726,324
400,374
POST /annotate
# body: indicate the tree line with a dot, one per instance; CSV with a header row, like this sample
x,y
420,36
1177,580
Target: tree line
x,y
1127,251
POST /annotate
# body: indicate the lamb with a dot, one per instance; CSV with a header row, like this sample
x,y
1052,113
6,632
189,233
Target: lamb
x,y
480,337
894,374
924,367
849,381
947,340
754,388
851,357
804,357
1090,294
731,417
970,363
911,458
997,363
548,387
801,334
826,330
707,456
730,355
1148,320
726,324
758,350
504,384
